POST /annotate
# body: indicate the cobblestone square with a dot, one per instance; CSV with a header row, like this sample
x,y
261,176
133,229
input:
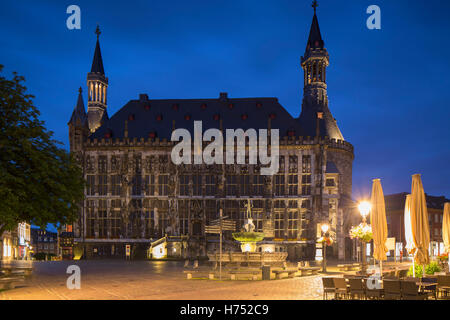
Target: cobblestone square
x,y
121,280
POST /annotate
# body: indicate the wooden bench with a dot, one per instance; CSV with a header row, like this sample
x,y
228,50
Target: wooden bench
x,y
253,273
291,272
345,267
199,274
309,270
26,271
9,282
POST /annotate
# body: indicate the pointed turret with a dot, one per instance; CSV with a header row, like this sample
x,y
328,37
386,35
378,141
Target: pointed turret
x,y
97,88
78,125
79,113
315,38
97,62
316,118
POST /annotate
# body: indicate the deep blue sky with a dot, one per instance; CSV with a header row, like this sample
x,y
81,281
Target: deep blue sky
x,y
388,88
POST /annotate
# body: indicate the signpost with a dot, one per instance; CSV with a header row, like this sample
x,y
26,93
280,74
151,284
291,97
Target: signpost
x,y
128,251
218,226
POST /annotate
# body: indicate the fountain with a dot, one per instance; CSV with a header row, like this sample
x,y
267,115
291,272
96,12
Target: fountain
x,y
248,240
249,237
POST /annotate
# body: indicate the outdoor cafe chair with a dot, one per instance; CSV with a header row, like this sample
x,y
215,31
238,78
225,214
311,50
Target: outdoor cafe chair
x,y
328,287
403,273
410,291
392,290
443,285
357,288
340,288
372,293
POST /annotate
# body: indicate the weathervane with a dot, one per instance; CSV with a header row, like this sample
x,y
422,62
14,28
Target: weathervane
x,y
315,5
97,31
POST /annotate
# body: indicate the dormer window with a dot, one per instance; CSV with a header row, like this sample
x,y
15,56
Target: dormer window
x,y
187,117
131,117
159,117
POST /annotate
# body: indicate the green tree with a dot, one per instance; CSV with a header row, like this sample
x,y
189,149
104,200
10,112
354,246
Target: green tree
x,y
40,182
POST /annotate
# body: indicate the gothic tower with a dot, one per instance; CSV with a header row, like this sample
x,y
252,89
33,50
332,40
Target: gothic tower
x,y
316,118
97,90
78,126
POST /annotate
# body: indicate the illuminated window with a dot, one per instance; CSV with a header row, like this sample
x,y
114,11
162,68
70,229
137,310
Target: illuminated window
x,y
163,184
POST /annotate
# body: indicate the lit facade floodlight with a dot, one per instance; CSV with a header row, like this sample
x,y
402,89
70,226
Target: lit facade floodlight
x,y
364,208
325,228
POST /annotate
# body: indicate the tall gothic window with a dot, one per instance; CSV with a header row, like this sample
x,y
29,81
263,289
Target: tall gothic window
x,y
184,185
116,185
210,186
90,185
150,185
163,184
102,219
306,175
197,185
279,184
231,185
116,219
244,184
102,184
258,185
184,217
136,189
102,160
90,219
292,224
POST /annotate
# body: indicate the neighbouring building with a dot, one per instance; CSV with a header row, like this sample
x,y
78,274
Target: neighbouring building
x,y
66,242
16,244
44,241
136,195
395,206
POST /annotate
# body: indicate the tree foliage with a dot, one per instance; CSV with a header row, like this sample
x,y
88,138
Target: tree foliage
x,y
40,182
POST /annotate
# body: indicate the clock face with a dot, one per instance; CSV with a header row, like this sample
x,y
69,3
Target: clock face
x,y
316,43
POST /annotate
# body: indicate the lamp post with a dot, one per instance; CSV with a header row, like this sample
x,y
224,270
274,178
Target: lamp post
x,y
364,208
325,235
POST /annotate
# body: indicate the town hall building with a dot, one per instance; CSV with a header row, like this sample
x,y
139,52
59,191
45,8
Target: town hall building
x,y
136,196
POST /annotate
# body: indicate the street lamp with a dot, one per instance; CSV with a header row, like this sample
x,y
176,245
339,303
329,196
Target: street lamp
x,y
325,227
364,208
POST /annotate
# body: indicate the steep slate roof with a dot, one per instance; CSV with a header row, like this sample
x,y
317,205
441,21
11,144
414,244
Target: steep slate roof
x,y
79,112
315,38
146,116
97,62
327,126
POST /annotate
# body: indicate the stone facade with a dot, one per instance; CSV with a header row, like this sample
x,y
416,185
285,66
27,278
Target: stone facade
x,y
136,195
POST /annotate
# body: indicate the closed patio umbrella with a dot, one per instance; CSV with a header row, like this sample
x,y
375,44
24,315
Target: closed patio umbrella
x,y
379,224
446,229
419,222
410,246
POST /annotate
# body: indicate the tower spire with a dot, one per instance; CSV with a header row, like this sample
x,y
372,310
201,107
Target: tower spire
x,y
316,118
97,88
314,5
98,32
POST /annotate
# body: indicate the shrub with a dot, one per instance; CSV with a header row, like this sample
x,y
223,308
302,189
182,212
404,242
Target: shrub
x,y
429,269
